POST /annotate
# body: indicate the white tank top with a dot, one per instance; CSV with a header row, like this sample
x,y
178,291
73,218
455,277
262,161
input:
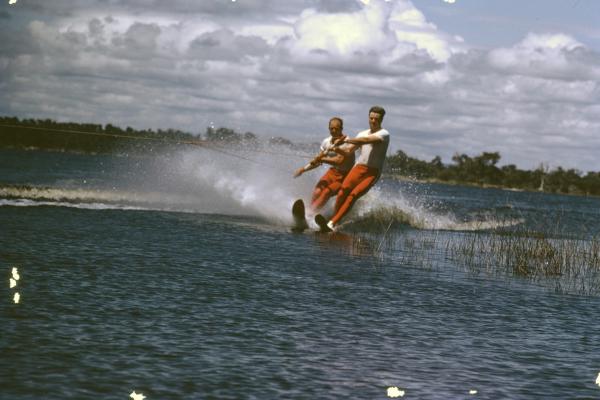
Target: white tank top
x,y
373,154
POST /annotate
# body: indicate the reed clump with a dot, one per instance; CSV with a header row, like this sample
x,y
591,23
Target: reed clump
x,y
549,258
572,265
376,220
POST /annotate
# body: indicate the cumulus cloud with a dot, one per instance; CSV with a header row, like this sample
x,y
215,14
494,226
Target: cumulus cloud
x,y
343,34
383,32
549,56
283,68
224,44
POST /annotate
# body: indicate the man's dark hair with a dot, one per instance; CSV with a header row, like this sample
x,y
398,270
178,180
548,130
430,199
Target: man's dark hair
x,y
337,119
379,110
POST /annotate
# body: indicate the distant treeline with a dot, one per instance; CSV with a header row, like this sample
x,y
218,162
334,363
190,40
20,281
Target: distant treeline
x,y
47,134
88,138
481,170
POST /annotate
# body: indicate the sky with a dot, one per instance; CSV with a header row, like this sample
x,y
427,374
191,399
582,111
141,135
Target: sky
x,y
455,76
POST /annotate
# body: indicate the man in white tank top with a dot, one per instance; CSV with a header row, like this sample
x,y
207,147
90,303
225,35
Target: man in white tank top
x,y
373,144
331,182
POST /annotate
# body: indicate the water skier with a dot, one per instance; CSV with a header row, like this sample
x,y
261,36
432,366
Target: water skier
x,y
373,143
331,182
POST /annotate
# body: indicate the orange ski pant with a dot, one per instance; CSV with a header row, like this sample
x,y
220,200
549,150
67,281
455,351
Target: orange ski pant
x,y
328,186
356,184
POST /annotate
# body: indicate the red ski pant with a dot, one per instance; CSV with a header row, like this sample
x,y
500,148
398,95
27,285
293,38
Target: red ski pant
x,y
328,186
356,184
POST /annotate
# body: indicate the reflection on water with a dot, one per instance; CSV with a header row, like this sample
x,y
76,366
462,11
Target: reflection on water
x,y
351,244
137,396
12,283
394,392
199,305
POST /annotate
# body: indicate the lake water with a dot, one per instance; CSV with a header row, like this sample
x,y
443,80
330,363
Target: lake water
x,y
175,275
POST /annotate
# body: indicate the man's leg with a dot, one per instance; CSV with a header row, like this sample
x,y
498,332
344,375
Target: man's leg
x,y
321,184
327,187
352,189
351,180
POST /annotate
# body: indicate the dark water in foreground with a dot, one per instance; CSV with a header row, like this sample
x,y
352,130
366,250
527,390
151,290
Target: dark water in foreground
x,y
174,302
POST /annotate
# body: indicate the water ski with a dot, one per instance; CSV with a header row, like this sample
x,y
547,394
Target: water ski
x,y
322,222
299,214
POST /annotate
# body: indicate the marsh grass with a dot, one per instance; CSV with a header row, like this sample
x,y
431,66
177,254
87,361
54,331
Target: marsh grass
x,y
566,264
547,256
549,259
376,221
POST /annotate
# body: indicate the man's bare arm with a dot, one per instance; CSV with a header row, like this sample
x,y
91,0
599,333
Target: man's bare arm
x,y
333,160
364,140
347,151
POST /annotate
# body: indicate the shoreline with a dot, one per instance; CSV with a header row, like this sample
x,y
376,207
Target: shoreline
x,y
405,178
140,152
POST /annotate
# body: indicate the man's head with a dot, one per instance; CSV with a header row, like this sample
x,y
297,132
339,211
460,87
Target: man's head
x,y
336,126
376,115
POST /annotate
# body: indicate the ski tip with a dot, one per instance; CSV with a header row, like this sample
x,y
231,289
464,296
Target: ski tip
x,y
298,208
322,222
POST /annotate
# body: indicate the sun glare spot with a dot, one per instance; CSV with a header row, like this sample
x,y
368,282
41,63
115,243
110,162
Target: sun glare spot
x,y
11,2
137,396
394,392
15,274
472,391
13,283
17,298
598,379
